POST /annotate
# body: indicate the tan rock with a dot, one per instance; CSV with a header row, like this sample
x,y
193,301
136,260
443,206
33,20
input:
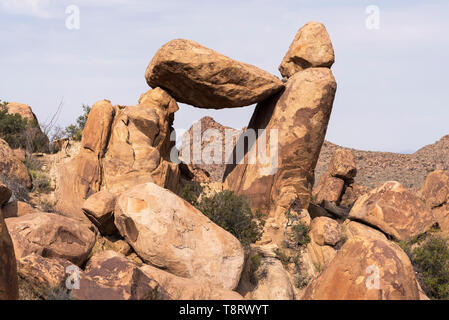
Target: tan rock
x,y
111,243
351,194
20,154
353,229
342,165
169,233
353,272
204,78
8,267
110,276
300,114
11,168
319,256
17,209
5,194
99,208
394,210
328,189
50,235
311,47
22,109
325,231
436,188
172,287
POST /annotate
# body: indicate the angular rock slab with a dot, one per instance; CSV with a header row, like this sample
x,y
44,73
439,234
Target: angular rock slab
x,y
394,210
204,78
311,47
342,165
169,233
51,236
8,266
353,272
99,208
300,115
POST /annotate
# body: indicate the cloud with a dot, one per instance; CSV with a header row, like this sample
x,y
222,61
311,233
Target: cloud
x,y
33,8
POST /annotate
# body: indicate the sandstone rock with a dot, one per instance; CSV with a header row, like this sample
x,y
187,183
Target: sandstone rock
x,y
328,189
395,210
300,114
172,287
436,188
17,209
311,47
11,168
354,229
325,231
51,236
351,274
319,255
204,78
5,194
110,276
44,276
8,267
99,208
342,165
111,243
351,194
169,233
22,109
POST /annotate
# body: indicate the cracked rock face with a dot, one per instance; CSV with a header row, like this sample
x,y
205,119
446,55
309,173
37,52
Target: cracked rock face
x,y
353,272
177,237
204,78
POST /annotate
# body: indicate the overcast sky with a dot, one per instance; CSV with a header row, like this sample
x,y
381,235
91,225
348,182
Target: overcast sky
x,y
392,82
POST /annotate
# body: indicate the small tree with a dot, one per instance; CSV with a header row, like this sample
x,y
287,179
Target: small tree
x,y
75,131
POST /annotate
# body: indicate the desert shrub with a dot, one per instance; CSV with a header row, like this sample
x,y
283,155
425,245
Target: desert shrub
x,y
40,180
432,263
75,131
255,262
191,192
233,213
20,132
300,233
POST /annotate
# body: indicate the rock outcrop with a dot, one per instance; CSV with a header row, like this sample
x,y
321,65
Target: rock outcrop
x,y
12,170
50,235
8,266
366,269
177,237
21,109
204,78
311,47
394,210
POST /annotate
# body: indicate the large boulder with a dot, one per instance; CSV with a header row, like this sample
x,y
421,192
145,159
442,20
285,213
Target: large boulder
x,y
353,229
299,116
12,170
169,233
111,276
172,287
342,165
21,109
325,231
204,78
51,235
311,47
328,189
99,208
366,269
8,267
394,210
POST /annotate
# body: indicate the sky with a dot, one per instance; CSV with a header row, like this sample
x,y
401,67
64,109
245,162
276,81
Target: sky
x,y
392,80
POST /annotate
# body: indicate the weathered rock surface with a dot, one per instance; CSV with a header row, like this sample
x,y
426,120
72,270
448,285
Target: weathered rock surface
x,y
177,238
204,78
436,188
342,165
352,274
110,276
328,189
8,267
172,287
16,209
354,229
99,208
22,109
12,169
300,114
325,231
394,210
51,236
311,47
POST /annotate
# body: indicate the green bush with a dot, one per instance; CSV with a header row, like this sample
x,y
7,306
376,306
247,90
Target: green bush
x,y
40,181
432,263
75,131
20,132
233,213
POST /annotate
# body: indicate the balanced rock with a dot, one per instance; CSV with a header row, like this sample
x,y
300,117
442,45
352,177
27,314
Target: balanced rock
x,y
99,208
325,231
8,267
366,269
342,165
299,117
328,189
111,276
169,233
172,287
311,47
204,78
50,235
394,210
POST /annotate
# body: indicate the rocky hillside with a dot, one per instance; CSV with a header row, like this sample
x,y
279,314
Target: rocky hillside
x,y
374,167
